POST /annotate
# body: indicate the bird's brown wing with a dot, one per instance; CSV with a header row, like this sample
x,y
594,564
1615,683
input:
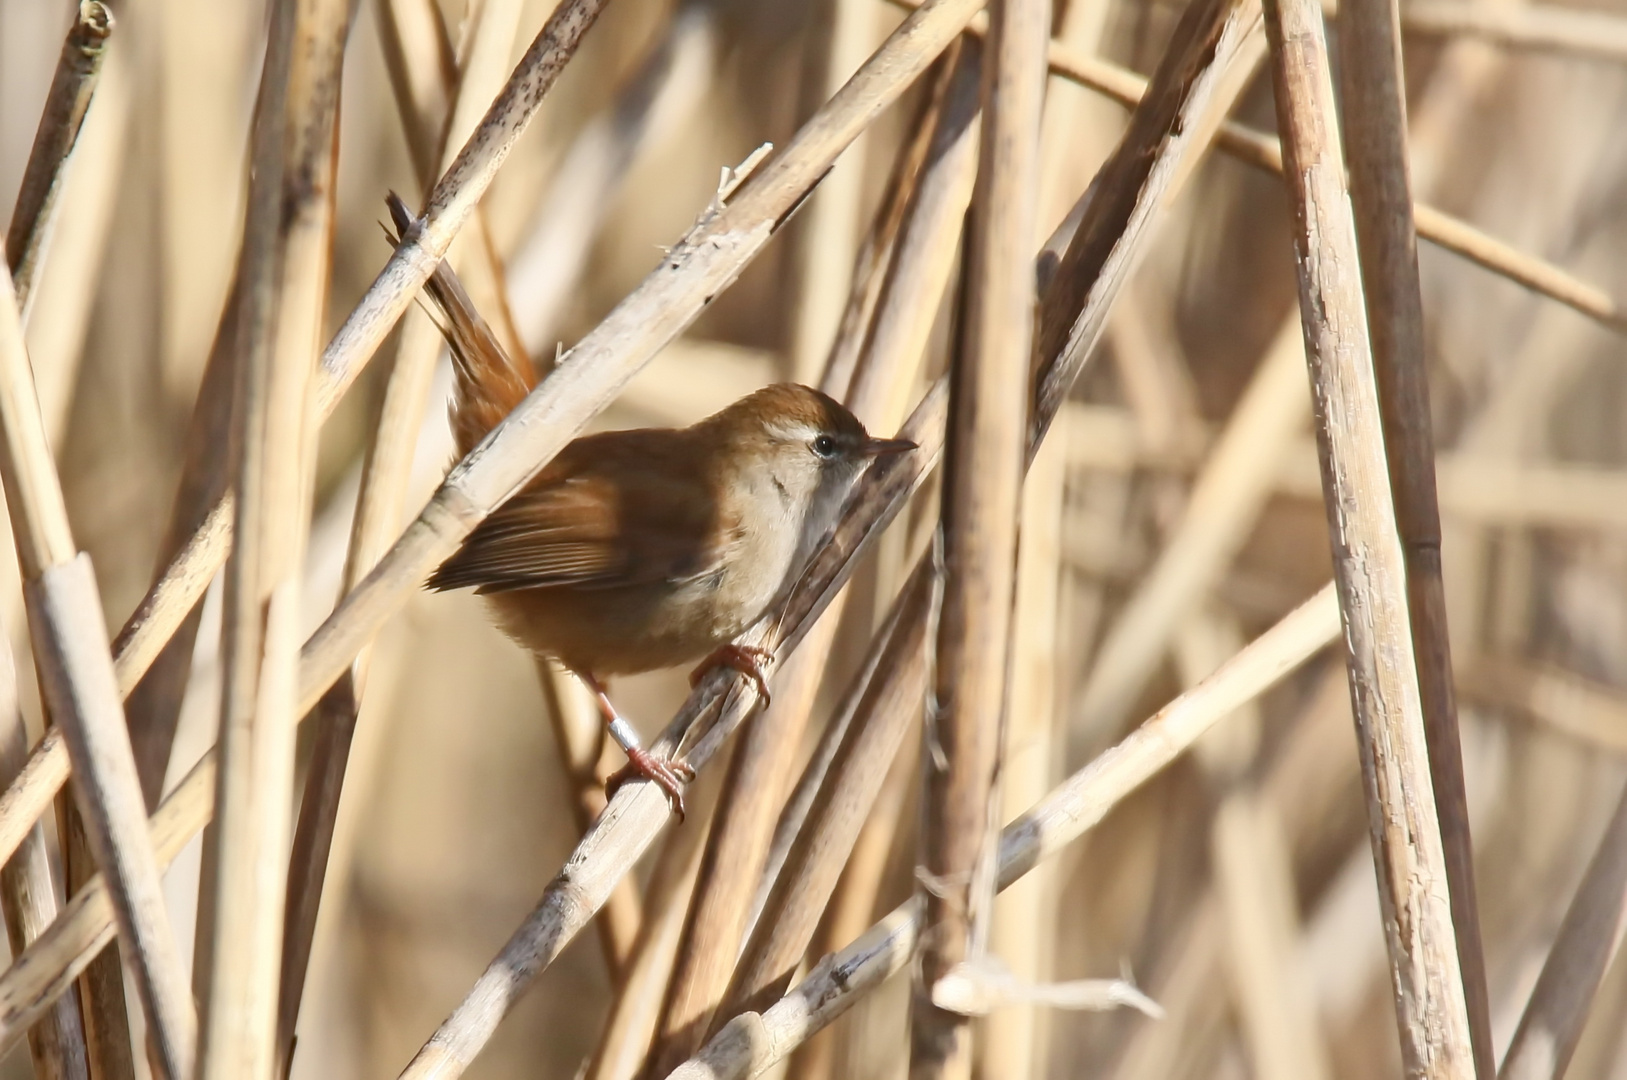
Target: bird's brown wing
x,y
617,509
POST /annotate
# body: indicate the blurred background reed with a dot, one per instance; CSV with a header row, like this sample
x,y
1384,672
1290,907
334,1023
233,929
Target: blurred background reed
x,y
1173,516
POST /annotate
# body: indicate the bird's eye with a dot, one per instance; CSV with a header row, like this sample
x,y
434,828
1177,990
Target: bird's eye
x,y
824,446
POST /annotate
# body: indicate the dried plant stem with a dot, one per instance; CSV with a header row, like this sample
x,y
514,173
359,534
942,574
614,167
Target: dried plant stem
x,y
1375,139
31,898
1588,940
1368,558
76,681
65,106
753,1042
282,292
984,463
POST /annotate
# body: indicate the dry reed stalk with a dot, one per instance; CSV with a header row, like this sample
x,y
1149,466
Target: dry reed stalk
x,y
760,770
31,899
753,1042
1227,497
1588,940
282,293
985,457
1446,231
66,104
1369,562
635,1015
1552,28
1375,125
181,585
76,682
828,235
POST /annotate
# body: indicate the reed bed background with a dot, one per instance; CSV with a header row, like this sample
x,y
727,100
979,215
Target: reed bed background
x,y
1294,669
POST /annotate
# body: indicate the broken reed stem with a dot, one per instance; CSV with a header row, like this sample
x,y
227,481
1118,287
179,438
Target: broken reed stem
x,y
1587,943
985,455
66,103
1375,127
283,289
754,1042
182,584
31,897
77,685
1450,233
1370,569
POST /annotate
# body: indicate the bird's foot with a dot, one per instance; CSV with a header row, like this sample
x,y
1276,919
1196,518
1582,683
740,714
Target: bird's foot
x,y
669,776
748,660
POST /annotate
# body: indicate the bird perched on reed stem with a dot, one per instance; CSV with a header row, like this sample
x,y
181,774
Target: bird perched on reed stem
x,y
646,549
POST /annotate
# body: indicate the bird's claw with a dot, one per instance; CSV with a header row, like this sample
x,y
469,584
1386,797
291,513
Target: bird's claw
x,y
748,660
668,775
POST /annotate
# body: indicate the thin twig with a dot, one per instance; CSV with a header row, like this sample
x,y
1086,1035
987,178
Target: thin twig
x,y
1368,559
65,106
753,1042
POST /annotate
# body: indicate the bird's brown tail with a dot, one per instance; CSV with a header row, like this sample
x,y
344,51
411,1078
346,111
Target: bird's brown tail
x,y
489,384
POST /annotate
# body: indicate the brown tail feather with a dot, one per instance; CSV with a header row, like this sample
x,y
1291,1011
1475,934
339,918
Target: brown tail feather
x,y
489,384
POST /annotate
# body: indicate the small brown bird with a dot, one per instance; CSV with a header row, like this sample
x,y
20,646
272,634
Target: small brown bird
x,y
645,549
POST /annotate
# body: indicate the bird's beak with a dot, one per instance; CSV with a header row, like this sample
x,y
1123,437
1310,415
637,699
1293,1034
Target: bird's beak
x,y
878,447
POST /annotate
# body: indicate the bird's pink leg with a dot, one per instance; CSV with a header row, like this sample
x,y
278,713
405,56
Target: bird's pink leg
x,y
669,776
746,659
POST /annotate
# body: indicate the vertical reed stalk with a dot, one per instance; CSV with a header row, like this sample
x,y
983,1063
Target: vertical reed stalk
x,y
1368,559
1375,129
985,458
287,235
